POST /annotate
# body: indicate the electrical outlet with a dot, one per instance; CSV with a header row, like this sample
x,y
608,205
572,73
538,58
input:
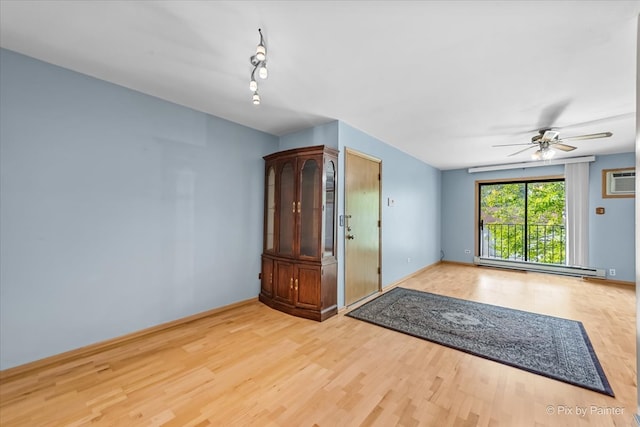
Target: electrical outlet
x,y
467,251
612,272
408,260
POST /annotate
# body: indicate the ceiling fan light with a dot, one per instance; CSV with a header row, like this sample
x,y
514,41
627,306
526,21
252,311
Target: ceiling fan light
x,y
253,85
256,99
548,154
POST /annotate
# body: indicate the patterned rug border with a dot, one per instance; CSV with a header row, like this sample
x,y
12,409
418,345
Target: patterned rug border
x,y
607,390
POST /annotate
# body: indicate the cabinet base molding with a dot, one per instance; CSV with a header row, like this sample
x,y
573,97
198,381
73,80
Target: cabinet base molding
x,y
300,312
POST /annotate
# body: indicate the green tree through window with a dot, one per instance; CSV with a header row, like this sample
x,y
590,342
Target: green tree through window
x,y
523,221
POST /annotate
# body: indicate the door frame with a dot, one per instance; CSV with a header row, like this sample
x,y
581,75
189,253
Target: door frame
x,y
358,153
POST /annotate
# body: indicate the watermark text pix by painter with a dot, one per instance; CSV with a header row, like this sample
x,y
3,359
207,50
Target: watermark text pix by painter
x,y
582,411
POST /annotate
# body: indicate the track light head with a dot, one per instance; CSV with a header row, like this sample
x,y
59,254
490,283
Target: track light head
x,y
261,49
262,71
261,53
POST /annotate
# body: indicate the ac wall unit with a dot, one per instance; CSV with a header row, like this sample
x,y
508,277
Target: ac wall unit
x,y
620,183
623,183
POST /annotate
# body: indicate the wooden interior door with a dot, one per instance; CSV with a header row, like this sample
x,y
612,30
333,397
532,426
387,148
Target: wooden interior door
x,y
362,226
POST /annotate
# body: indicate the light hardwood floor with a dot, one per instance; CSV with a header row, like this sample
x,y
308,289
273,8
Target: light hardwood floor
x,y
255,366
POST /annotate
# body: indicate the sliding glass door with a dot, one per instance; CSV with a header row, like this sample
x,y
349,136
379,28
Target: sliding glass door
x,y
523,221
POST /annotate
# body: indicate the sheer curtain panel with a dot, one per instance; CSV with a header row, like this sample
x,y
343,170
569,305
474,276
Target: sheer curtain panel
x,y
577,213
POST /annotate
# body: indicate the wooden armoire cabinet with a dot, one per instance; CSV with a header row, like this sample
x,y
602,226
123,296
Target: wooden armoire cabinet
x,y
299,266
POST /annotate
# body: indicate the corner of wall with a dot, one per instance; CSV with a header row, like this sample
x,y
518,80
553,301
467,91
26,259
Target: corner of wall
x,y
324,134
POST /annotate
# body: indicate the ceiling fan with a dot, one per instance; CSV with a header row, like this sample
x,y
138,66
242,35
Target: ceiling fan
x,y
548,140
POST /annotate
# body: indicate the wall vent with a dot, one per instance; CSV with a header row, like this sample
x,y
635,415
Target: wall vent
x,y
623,183
619,183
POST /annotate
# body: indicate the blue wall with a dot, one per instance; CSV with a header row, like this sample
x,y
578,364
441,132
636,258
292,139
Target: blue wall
x,y
458,206
326,134
118,211
410,229
611,236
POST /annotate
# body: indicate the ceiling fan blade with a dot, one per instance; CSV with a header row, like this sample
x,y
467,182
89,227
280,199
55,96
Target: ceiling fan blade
x,y
522,151
602,120
551,113
564,147
511,145
546,122
590,136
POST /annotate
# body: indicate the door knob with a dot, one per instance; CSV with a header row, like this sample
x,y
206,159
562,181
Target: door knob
x,y
350,236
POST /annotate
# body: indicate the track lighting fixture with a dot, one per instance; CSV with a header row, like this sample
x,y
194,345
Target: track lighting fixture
x,y
259,63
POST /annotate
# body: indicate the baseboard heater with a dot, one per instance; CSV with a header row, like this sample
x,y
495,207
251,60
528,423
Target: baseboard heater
x,y
568,270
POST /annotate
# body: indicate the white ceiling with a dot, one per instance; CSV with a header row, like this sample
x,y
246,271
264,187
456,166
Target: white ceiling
x,y
442,81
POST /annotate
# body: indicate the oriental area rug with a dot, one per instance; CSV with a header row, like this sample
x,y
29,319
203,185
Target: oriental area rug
x,y
545,345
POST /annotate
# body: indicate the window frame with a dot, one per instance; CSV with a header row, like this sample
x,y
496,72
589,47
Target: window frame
x,y
479,183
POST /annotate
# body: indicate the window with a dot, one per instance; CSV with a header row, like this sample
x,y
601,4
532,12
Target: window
x,y
523,220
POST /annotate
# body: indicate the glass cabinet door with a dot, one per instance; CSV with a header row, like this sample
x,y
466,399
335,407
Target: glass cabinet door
x,y
271,210
329,208
287,209
310,208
